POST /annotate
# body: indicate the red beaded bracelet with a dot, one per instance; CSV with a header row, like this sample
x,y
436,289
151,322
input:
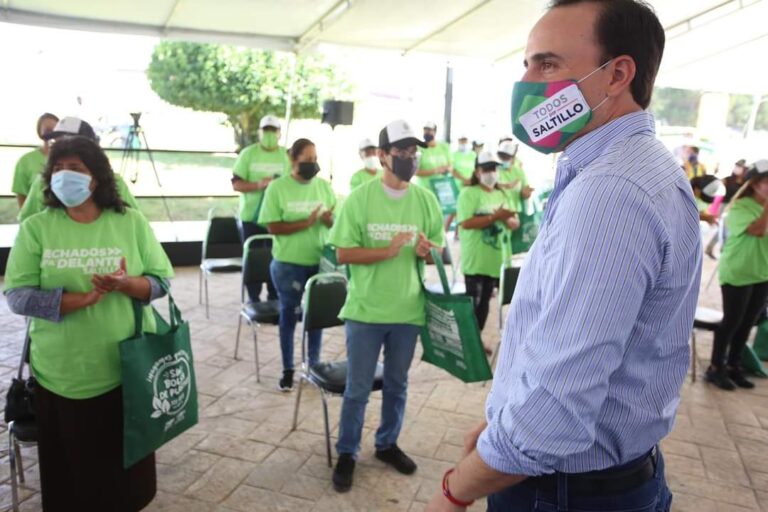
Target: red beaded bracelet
x,y
449,496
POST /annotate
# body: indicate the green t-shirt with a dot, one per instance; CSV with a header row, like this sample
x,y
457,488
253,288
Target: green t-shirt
x,y
701,205
432,158
464,164
78,357
254,163
389,291
481,249
35,202
29,166
288,200
744,260
362,177
514,173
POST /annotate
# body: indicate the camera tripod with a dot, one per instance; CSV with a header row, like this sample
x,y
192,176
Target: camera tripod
x,y
131,154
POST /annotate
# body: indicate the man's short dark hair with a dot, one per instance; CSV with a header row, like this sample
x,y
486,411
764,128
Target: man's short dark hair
x,y
629,27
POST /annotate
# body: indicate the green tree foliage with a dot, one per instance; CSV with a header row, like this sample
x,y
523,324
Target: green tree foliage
x,y
675,107
740,109
243,83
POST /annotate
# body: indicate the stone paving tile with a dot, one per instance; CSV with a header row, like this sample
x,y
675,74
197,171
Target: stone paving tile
x,y
244,456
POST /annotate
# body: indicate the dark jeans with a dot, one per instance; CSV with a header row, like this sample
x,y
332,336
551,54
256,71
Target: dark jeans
x,y
742,305
248,229
652,496
480,288
80,447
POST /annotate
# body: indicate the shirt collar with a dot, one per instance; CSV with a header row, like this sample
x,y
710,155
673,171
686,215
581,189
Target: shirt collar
x,y
584,150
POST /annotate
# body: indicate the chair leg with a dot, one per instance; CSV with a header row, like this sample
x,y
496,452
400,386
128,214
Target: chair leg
x,y
12,462
256,351
298,401
327,429
694,356
19,461
200,286
207,315
237,336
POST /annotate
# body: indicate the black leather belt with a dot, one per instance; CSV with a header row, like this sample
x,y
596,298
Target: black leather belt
x,y
601,483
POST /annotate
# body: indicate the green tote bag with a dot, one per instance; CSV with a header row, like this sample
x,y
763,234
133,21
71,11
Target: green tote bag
x,y
159,386
447,192
451,337
530,217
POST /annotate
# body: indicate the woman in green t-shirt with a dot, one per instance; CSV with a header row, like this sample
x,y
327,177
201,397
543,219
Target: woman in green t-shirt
x,y
483,219
298,211
743,279
75,269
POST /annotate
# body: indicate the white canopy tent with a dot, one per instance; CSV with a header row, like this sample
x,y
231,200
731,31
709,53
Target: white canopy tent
x,y
716,45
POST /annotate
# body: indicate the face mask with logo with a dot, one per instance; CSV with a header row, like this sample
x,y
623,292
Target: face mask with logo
x,y
269,140
308,170
70,187
489,179
546,115
403,168
371,162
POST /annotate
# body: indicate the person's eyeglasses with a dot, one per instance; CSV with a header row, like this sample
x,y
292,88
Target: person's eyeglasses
x,y
404,153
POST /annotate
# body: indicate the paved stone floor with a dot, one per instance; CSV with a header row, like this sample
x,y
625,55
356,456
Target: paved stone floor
x,y
243,455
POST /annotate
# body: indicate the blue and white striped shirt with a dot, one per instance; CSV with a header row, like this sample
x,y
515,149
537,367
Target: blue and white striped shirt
x,y
595,347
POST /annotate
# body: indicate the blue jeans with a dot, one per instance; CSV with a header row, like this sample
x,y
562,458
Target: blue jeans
x,y
364,343
652,496
289,280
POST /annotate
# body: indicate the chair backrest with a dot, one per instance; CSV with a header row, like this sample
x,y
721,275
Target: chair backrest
x,y
256,261
324,296
507,284
222,238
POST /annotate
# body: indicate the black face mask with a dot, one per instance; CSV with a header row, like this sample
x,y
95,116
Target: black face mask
x,y
308,170
428,137
403,168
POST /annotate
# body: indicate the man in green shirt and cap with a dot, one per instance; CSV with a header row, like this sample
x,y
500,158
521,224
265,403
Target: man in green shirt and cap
x,y
256,166
385,230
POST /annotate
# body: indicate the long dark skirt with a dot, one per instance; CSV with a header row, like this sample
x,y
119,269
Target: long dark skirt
x,y
81,456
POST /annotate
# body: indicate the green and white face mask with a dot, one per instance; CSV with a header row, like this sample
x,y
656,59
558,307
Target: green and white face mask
x,y
546,115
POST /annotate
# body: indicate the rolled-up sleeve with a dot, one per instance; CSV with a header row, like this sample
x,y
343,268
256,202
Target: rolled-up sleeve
x,y
602,254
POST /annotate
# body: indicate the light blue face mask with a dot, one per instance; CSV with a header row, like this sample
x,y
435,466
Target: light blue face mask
x,y
72,188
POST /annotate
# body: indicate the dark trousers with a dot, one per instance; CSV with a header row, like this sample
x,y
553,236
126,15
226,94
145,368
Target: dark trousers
x,y
651,496
742,305
249,229
480,288
80,447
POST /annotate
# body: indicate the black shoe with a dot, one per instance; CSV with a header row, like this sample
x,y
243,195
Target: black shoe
x,y
719,377
736,374
395,457
286,383
342,474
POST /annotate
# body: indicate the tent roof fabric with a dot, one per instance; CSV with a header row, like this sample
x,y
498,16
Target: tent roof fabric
x,y
711,44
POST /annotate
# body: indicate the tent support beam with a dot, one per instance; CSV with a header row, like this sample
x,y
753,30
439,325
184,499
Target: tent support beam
x,y
446,26
171,14
208,36
325,21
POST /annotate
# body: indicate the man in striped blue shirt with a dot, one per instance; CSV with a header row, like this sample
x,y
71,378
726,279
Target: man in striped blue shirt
x,y
595,348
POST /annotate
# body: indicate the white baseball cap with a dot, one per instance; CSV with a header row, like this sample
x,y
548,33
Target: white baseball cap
x,y
430,125
399,134
508,148
487,157
366,144
268,120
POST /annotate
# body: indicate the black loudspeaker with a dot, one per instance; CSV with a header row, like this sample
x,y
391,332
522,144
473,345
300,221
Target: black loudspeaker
x,y
338,112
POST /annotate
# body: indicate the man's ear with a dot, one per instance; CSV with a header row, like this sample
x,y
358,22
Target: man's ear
x,y
623,70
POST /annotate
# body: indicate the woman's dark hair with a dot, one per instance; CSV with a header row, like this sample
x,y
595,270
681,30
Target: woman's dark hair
x,y
749,191
105,195
298,148
42,119
629,27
